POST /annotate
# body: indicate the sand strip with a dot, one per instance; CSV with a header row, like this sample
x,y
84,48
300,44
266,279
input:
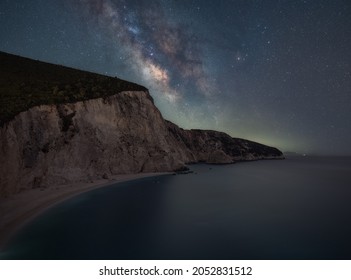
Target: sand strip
x,y
19,209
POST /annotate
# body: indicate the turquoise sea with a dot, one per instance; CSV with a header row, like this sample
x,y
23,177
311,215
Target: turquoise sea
x,y
298,208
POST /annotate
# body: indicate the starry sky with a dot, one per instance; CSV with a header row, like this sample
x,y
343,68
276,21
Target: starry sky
x,y
274,71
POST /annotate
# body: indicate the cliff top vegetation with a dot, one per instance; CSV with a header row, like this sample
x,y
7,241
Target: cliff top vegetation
x,y
25,83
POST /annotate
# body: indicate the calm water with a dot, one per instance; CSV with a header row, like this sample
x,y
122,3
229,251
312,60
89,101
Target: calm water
x,y
298,208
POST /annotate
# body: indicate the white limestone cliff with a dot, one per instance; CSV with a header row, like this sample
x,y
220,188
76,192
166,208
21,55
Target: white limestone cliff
x,y
51,145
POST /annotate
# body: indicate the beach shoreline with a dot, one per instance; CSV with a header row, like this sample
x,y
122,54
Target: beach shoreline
x,y
19,209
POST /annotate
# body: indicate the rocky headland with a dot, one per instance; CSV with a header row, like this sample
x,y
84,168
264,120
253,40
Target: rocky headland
x,y
64,131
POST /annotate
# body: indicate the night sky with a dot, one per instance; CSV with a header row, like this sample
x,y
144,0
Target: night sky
x,y
276,72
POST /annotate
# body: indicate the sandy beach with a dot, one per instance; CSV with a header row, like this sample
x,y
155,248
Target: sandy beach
x,y
19,209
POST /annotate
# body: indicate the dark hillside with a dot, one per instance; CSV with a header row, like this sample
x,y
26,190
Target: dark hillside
x,y
25,83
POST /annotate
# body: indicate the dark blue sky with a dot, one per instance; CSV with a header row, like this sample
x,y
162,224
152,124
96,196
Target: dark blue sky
x,y
276,72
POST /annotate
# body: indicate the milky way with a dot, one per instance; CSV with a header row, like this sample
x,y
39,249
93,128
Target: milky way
x,y
159,51
277,72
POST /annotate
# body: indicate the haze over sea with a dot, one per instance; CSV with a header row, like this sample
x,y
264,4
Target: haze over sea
x,y
298,208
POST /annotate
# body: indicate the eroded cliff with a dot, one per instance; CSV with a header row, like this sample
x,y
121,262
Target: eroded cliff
x,y
88,139
56,144
217,147
124,133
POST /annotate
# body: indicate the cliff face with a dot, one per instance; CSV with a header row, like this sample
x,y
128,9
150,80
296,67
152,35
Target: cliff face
x,y
123,133
56,144
60,125
219,148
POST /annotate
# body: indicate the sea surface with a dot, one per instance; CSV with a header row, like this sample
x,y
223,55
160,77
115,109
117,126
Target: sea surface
x,y
298,208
